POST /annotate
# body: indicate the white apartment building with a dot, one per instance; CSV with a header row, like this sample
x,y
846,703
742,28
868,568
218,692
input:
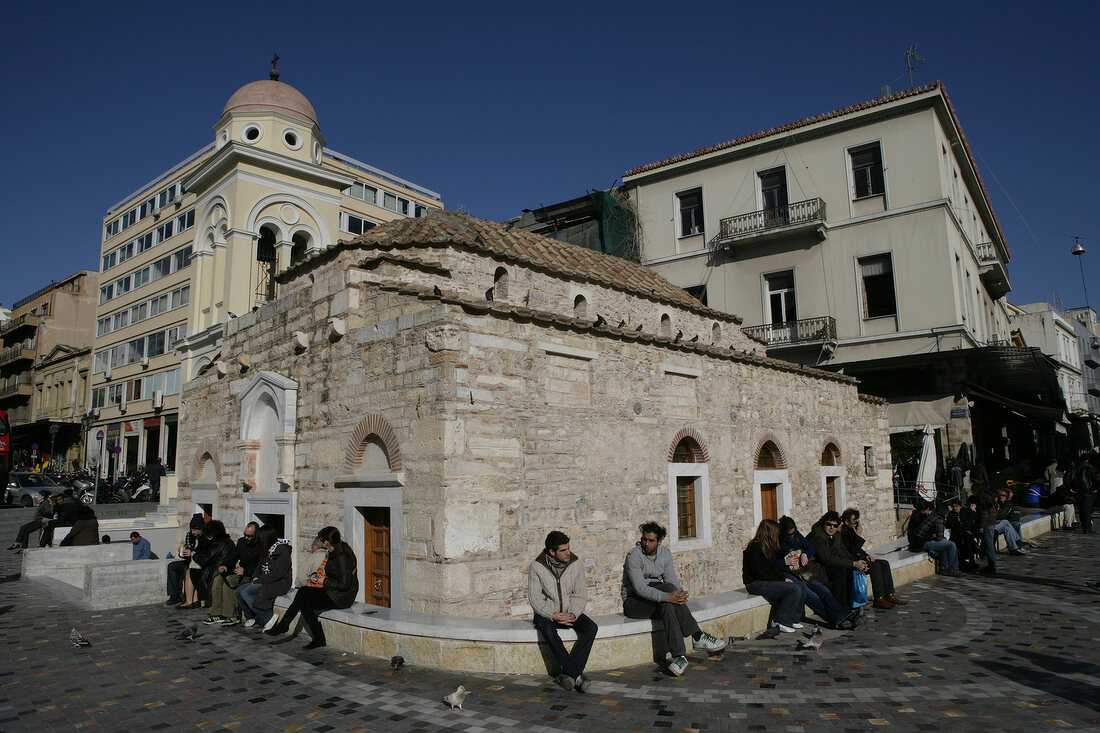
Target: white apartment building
x,y
202,243
862,239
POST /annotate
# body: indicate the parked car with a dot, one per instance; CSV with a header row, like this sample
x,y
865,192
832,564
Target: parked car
x,y
23,487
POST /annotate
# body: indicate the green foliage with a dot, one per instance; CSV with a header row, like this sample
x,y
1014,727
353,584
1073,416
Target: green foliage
x,y
906,447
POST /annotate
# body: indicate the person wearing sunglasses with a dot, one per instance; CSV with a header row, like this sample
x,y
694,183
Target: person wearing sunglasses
x,y
882,579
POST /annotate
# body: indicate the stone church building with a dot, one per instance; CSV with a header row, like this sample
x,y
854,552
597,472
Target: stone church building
x,y
447,390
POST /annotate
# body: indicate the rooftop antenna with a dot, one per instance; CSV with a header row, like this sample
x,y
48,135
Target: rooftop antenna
x,y
911,56
274,73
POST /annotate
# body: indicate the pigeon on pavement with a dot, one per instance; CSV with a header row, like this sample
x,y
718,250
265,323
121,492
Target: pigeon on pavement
x,y
397,662
190,633
814,640
78,639
455,698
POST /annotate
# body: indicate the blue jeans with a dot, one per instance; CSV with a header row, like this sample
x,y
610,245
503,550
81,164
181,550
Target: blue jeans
x,y
787,599
945,551
246,596
573,662
821,601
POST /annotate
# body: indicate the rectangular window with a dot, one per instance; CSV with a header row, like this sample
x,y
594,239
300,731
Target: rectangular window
x,y
141,277
685,506
114,394
155,344
185,221
135,350
101,359
181,259
877,276
145,241
162,267
389,200
363,192
98,395
172,382
354,224
781,300
689,205
867,178
420,210
153,383
103,326
133,390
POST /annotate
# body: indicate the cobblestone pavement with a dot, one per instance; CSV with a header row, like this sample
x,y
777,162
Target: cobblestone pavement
x,y
1011,653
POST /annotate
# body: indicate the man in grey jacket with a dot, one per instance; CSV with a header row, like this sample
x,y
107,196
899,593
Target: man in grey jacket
x,y
652,590
557,592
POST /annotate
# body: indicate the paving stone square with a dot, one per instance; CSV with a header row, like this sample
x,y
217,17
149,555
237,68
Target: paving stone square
x,y
1012,653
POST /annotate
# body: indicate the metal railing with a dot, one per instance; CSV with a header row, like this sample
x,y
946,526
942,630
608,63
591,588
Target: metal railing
x,y
26,318
12,384
756,222
803,331
16,352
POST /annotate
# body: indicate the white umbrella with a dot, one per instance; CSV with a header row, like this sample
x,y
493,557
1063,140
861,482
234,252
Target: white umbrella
x,y
926,471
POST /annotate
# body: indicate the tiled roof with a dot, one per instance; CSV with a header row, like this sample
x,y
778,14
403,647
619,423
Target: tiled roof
x,y
850,109
448,228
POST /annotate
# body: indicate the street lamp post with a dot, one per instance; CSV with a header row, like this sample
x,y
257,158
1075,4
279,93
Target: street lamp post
x,y
1078,251
54,427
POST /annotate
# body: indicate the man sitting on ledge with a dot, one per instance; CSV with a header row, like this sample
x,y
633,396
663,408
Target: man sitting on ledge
x,y
652,590
557,593
926,535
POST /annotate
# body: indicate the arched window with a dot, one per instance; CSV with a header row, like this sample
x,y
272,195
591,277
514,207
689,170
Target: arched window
x,y
580,307
716,333
265,265
500,284
688,493
832,479
771,484
665,329
300,248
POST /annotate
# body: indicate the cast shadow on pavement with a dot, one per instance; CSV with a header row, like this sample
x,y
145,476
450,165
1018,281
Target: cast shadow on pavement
x,y
1053,676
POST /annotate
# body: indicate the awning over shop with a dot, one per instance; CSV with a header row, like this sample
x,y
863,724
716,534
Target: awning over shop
x,y
914,414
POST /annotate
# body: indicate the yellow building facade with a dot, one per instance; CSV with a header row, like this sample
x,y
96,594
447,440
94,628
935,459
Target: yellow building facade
x,y
202,244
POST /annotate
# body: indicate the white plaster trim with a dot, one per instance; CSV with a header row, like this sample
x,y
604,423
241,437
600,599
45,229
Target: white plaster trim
x,y
301,203
204,493
841,495
683,371
388,496
783,496
562,350
702,507
283,391
283,503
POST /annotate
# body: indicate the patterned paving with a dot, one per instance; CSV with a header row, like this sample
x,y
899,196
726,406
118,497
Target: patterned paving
x,y
1011,653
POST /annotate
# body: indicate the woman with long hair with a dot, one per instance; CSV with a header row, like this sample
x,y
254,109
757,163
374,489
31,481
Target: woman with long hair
x,y
338,590
763,577
273,578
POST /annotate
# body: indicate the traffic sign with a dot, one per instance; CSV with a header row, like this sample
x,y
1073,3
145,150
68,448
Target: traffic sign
x,y
118,449
99,435
34,446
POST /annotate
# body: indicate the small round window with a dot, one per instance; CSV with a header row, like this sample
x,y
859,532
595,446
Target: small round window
x,y
292,139
252,133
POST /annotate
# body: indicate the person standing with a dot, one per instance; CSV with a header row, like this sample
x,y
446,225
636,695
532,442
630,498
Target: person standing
x,y
557,593
154,471
651,590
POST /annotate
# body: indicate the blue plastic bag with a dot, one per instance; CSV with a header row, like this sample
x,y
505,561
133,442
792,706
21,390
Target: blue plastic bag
x,y
859,588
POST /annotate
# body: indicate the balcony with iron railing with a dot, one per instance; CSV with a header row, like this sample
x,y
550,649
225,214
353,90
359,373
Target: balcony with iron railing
x,y
19,415
991,269
803,332
25,321
19,352
796,218
20,385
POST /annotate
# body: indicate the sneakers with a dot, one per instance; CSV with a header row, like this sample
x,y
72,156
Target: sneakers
x,y
580,683
211,620
1019,551
785,629
271,622
564,681
796,625
248,623
708,643
15,546
230,621
678,665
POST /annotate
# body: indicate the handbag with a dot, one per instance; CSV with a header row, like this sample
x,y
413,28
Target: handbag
x,y
859,588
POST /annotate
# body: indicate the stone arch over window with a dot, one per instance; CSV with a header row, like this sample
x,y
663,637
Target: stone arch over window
x,y
206,466
830,453
267,432
716,332
695,443
500,283
769,455
688,492
300,247
372,441
580,307
323,235
664,330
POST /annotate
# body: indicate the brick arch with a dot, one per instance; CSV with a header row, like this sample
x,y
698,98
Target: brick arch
x,y
834,444
207,448
694,435
781,458
375,425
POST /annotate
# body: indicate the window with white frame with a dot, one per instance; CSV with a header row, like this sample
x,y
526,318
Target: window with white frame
x,y
689,212
771,485
354,224
877,281
832,480
689,497
780,303
867,172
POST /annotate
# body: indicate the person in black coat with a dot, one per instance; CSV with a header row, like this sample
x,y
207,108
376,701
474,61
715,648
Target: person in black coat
x,y
882,578
216,550
256,597
338,589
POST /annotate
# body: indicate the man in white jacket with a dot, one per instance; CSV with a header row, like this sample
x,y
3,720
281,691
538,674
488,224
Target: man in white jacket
x,y
652,590
557,592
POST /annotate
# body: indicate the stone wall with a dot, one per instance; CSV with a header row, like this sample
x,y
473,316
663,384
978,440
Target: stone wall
x,y
512,420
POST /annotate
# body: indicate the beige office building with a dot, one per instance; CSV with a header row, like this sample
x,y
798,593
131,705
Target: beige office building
x,y
202,243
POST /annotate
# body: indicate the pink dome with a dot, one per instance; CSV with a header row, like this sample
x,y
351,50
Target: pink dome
x,y
272,96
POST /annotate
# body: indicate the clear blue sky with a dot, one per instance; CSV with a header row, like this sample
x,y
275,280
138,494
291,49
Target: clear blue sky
x,y
502,106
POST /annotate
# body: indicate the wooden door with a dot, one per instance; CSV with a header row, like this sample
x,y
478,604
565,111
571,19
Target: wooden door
x,y
830,493
376,575
769,507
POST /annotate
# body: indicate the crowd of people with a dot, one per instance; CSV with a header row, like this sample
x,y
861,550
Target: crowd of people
x,y
59,510
239,581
